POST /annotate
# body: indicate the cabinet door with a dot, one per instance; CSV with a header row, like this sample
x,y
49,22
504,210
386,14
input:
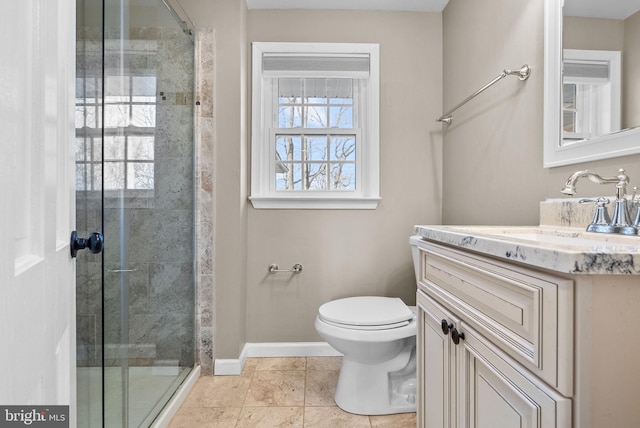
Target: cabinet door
x,y
528,314
497,392
436,367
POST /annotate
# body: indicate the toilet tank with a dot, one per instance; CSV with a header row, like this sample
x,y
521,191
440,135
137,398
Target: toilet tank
x,y
415,252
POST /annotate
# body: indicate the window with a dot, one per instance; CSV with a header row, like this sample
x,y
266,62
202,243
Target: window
x,y
315,126
590,94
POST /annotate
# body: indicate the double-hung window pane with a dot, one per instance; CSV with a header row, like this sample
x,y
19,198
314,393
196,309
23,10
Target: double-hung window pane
x,y
315,134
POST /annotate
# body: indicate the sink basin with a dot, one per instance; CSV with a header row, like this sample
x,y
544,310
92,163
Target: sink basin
x,y
563,249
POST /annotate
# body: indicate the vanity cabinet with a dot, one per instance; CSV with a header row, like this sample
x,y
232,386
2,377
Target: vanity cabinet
x,y
495,343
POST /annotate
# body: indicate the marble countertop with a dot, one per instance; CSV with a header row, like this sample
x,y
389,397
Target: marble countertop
x,y
558,248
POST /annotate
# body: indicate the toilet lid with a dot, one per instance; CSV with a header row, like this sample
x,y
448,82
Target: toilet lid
x,y
366,311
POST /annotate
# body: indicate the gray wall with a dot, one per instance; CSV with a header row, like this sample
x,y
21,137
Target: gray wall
x,y
353,252
343,252
489,169
493,170
230,168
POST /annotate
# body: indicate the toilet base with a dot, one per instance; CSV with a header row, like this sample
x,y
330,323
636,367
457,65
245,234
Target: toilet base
x,y
379,389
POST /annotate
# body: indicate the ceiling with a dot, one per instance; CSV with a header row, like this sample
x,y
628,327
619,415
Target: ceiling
x,y
399,5
613,9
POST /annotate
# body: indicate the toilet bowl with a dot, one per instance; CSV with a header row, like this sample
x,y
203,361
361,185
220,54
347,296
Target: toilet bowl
x,y
377,336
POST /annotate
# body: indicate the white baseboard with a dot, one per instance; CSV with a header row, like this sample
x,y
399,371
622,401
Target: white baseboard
x,y
276,349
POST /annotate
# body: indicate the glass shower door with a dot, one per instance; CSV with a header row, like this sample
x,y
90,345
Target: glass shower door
x,y
141,166
88,123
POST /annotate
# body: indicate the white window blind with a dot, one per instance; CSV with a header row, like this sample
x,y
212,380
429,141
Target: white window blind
x,y
587,70
294,65
315,88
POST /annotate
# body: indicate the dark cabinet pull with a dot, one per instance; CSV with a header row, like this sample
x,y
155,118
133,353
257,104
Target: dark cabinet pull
x,y
446,326
456,335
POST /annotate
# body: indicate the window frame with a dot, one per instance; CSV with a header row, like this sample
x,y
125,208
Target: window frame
x,y
263,192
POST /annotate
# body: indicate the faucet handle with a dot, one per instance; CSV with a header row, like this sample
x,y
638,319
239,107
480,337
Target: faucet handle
x,y
601,222
600,202
623,182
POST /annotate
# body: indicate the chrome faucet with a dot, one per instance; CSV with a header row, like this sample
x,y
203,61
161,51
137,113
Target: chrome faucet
x,y
621,181
620,220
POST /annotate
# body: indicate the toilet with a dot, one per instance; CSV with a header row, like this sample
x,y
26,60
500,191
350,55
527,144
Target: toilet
x,y
377,337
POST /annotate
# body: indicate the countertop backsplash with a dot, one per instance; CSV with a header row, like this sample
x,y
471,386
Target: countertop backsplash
x,y
568,212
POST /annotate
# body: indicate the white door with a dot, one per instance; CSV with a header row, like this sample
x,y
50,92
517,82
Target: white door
x,y
37,279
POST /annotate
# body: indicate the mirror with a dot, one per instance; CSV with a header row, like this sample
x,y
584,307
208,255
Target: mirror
x,y
592,64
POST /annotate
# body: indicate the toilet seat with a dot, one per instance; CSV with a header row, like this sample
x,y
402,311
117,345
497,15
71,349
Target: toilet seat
x,y
366,313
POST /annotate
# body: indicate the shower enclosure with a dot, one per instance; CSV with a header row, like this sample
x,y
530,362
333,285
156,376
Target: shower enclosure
x,y
135,183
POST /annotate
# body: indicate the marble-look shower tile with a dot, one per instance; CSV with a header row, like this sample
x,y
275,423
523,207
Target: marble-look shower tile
x,y
282,363
174,184
206,98
205,301
333,417
320,388
89,288
135,284
205,346
401,420
205,417
204,134
174,76
205,44
168,236
171,287
161,331
205,130
175,130
276,388
87,339
86,219
204,195
205,248
218,391
271,417
144,33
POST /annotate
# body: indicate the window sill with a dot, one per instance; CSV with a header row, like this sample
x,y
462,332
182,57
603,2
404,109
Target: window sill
x,y
314,203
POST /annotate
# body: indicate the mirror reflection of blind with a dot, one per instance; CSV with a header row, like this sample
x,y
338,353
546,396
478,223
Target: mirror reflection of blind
x,y
315,88
587,70
283,65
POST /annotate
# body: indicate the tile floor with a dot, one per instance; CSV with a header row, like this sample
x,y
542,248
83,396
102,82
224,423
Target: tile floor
x,y
276,392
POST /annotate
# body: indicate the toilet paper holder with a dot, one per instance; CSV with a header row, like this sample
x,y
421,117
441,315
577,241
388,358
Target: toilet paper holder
x,y
273,268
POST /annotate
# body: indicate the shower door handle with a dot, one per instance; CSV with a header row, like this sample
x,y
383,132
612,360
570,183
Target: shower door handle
x,y
94,243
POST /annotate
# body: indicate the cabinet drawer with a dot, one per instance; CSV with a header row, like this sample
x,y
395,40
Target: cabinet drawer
x,y
526,313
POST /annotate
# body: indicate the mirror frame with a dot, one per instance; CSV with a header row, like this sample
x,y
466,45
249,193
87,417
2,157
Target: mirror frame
x,y
622,143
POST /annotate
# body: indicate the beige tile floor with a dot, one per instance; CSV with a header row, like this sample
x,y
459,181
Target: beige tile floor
x,y
277,392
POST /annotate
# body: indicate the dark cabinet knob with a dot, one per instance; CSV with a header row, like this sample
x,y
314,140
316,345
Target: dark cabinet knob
x,y
456,335
446,326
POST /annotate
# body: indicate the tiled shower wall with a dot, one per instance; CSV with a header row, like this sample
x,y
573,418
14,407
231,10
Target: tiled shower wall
x,y
205,195
159,227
